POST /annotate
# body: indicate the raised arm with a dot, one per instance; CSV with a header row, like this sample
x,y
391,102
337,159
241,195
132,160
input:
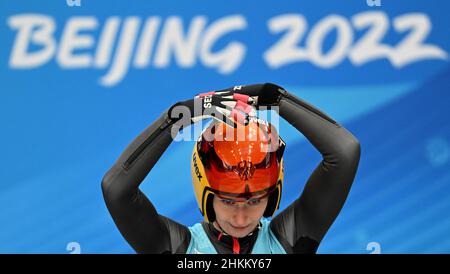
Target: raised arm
x,y
303,224
134,215
312,214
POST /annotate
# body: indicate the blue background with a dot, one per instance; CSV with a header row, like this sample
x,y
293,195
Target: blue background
x,y
62,129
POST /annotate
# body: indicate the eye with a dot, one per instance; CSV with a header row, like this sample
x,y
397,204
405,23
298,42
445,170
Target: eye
x,y
228,202
254,201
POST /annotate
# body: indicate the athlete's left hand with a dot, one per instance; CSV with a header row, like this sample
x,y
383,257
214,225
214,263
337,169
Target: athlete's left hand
x,y
267,94
226,107
232,105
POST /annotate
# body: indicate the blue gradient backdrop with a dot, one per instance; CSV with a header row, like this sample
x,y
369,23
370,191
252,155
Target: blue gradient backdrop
x,y
61,128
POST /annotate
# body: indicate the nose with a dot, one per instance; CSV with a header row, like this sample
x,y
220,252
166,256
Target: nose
x,y
240,216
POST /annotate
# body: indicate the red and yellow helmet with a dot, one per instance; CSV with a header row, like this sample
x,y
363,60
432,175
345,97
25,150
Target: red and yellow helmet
x,y
242,162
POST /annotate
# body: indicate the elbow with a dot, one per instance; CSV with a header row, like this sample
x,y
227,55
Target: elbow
x,y
114,187
350,152
107,184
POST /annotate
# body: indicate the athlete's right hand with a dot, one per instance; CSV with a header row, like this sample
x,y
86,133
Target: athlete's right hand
x,y
228,107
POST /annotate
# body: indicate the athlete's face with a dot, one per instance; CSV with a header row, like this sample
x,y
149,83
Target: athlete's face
x,y
238,219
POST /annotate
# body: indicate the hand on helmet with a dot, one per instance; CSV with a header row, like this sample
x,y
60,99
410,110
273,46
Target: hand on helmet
x,y
267,94
225,106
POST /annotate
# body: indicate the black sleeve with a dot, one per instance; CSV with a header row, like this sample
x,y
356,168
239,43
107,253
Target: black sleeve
x,y
302,225
134,215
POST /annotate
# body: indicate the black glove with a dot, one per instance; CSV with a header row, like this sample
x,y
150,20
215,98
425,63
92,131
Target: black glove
x,y
228,107
267,94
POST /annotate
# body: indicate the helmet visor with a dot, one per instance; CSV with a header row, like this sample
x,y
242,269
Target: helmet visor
x,y
242,168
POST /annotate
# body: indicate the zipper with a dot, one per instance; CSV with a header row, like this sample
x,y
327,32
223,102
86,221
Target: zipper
x,y
133,157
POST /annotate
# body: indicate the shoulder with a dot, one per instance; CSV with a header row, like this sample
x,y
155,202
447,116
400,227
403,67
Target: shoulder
x,y
196,227
198,232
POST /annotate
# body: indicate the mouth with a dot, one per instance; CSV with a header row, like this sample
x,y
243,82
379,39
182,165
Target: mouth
x,y
239,228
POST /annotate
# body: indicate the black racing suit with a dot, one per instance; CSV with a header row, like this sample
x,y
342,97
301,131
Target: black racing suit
x,y
299,228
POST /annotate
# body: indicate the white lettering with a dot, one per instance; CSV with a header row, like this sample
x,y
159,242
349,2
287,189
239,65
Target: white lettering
x,y
72,41
34,28
412,48
72,3
105,47
369,47
123,52
172,40
146,42
318,34
286,50
193,264
35,44
229,58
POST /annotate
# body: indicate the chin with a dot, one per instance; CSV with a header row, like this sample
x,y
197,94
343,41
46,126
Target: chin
x,y
240,233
